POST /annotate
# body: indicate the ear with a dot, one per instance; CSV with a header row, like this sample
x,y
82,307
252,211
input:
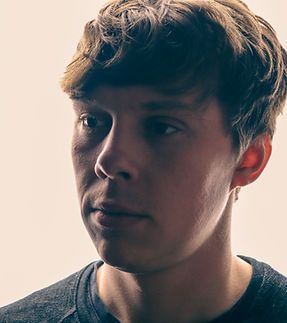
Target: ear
x,y
253,161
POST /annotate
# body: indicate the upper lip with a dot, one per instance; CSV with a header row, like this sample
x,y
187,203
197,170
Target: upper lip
x,y
116,209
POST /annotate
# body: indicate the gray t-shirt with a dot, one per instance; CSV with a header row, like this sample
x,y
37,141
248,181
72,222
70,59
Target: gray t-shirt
x,y
75,299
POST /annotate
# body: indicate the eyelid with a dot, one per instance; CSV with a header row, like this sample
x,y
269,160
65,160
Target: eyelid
x,y
97,115
158,126
171,121
86,115
101,121
81,107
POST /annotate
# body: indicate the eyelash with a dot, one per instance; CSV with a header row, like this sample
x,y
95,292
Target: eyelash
x,y
100,122
154,128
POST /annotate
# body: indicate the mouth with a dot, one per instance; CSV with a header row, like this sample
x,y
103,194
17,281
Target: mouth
x,y
114,216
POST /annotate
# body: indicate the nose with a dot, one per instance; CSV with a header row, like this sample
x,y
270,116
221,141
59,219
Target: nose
x,y
118,156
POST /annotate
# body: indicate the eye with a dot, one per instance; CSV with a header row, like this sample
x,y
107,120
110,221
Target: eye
x,y
94,123
89,121
161,128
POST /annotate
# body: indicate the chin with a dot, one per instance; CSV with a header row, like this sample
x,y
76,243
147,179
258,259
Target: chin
x,y
124,262
124,259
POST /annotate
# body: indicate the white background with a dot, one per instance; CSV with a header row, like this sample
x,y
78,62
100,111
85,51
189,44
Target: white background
x,y
42,238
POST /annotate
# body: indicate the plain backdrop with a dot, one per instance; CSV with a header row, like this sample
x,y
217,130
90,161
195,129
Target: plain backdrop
x,y
42,238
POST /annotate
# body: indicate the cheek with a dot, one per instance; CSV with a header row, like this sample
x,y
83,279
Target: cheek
x,y
215,196
83,163
193,191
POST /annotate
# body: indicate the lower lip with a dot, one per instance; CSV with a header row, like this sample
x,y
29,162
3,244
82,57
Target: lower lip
x,y
117,221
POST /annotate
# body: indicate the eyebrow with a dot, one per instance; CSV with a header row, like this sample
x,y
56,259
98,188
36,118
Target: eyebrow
x,y
170,105
165,105
79,104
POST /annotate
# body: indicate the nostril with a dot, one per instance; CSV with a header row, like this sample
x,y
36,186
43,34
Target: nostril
x,y
105,172
100,173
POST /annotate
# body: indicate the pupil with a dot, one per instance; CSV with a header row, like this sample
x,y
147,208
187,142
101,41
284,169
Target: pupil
x,y
91,122
162,128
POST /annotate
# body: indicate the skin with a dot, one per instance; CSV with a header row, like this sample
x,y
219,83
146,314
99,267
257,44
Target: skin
x,y
169,163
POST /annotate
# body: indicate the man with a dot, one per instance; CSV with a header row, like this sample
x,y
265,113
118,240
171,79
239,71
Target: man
x,y
176,104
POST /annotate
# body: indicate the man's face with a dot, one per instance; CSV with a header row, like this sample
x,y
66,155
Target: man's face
x,y
153,175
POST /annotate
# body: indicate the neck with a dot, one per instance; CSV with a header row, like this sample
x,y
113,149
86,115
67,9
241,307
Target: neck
x,y
198,289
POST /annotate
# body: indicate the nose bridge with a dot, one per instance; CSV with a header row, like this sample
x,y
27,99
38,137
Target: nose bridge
x,y
116,141
117,152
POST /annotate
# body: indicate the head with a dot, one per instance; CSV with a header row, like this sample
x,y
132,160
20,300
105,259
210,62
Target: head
x,y
219,47
168,94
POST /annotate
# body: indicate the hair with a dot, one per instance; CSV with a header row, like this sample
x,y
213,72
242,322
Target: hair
x,y
217,46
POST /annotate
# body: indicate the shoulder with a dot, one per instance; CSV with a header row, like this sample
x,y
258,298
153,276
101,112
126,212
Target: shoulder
x,y
273,283
270,299
54,302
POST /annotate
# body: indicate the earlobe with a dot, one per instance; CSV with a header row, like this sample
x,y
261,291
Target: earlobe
x,y
253,161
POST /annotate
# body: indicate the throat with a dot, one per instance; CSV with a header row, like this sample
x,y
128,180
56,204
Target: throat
x,y
181,295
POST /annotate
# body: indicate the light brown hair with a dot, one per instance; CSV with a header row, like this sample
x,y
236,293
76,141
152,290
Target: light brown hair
x,y
219,46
